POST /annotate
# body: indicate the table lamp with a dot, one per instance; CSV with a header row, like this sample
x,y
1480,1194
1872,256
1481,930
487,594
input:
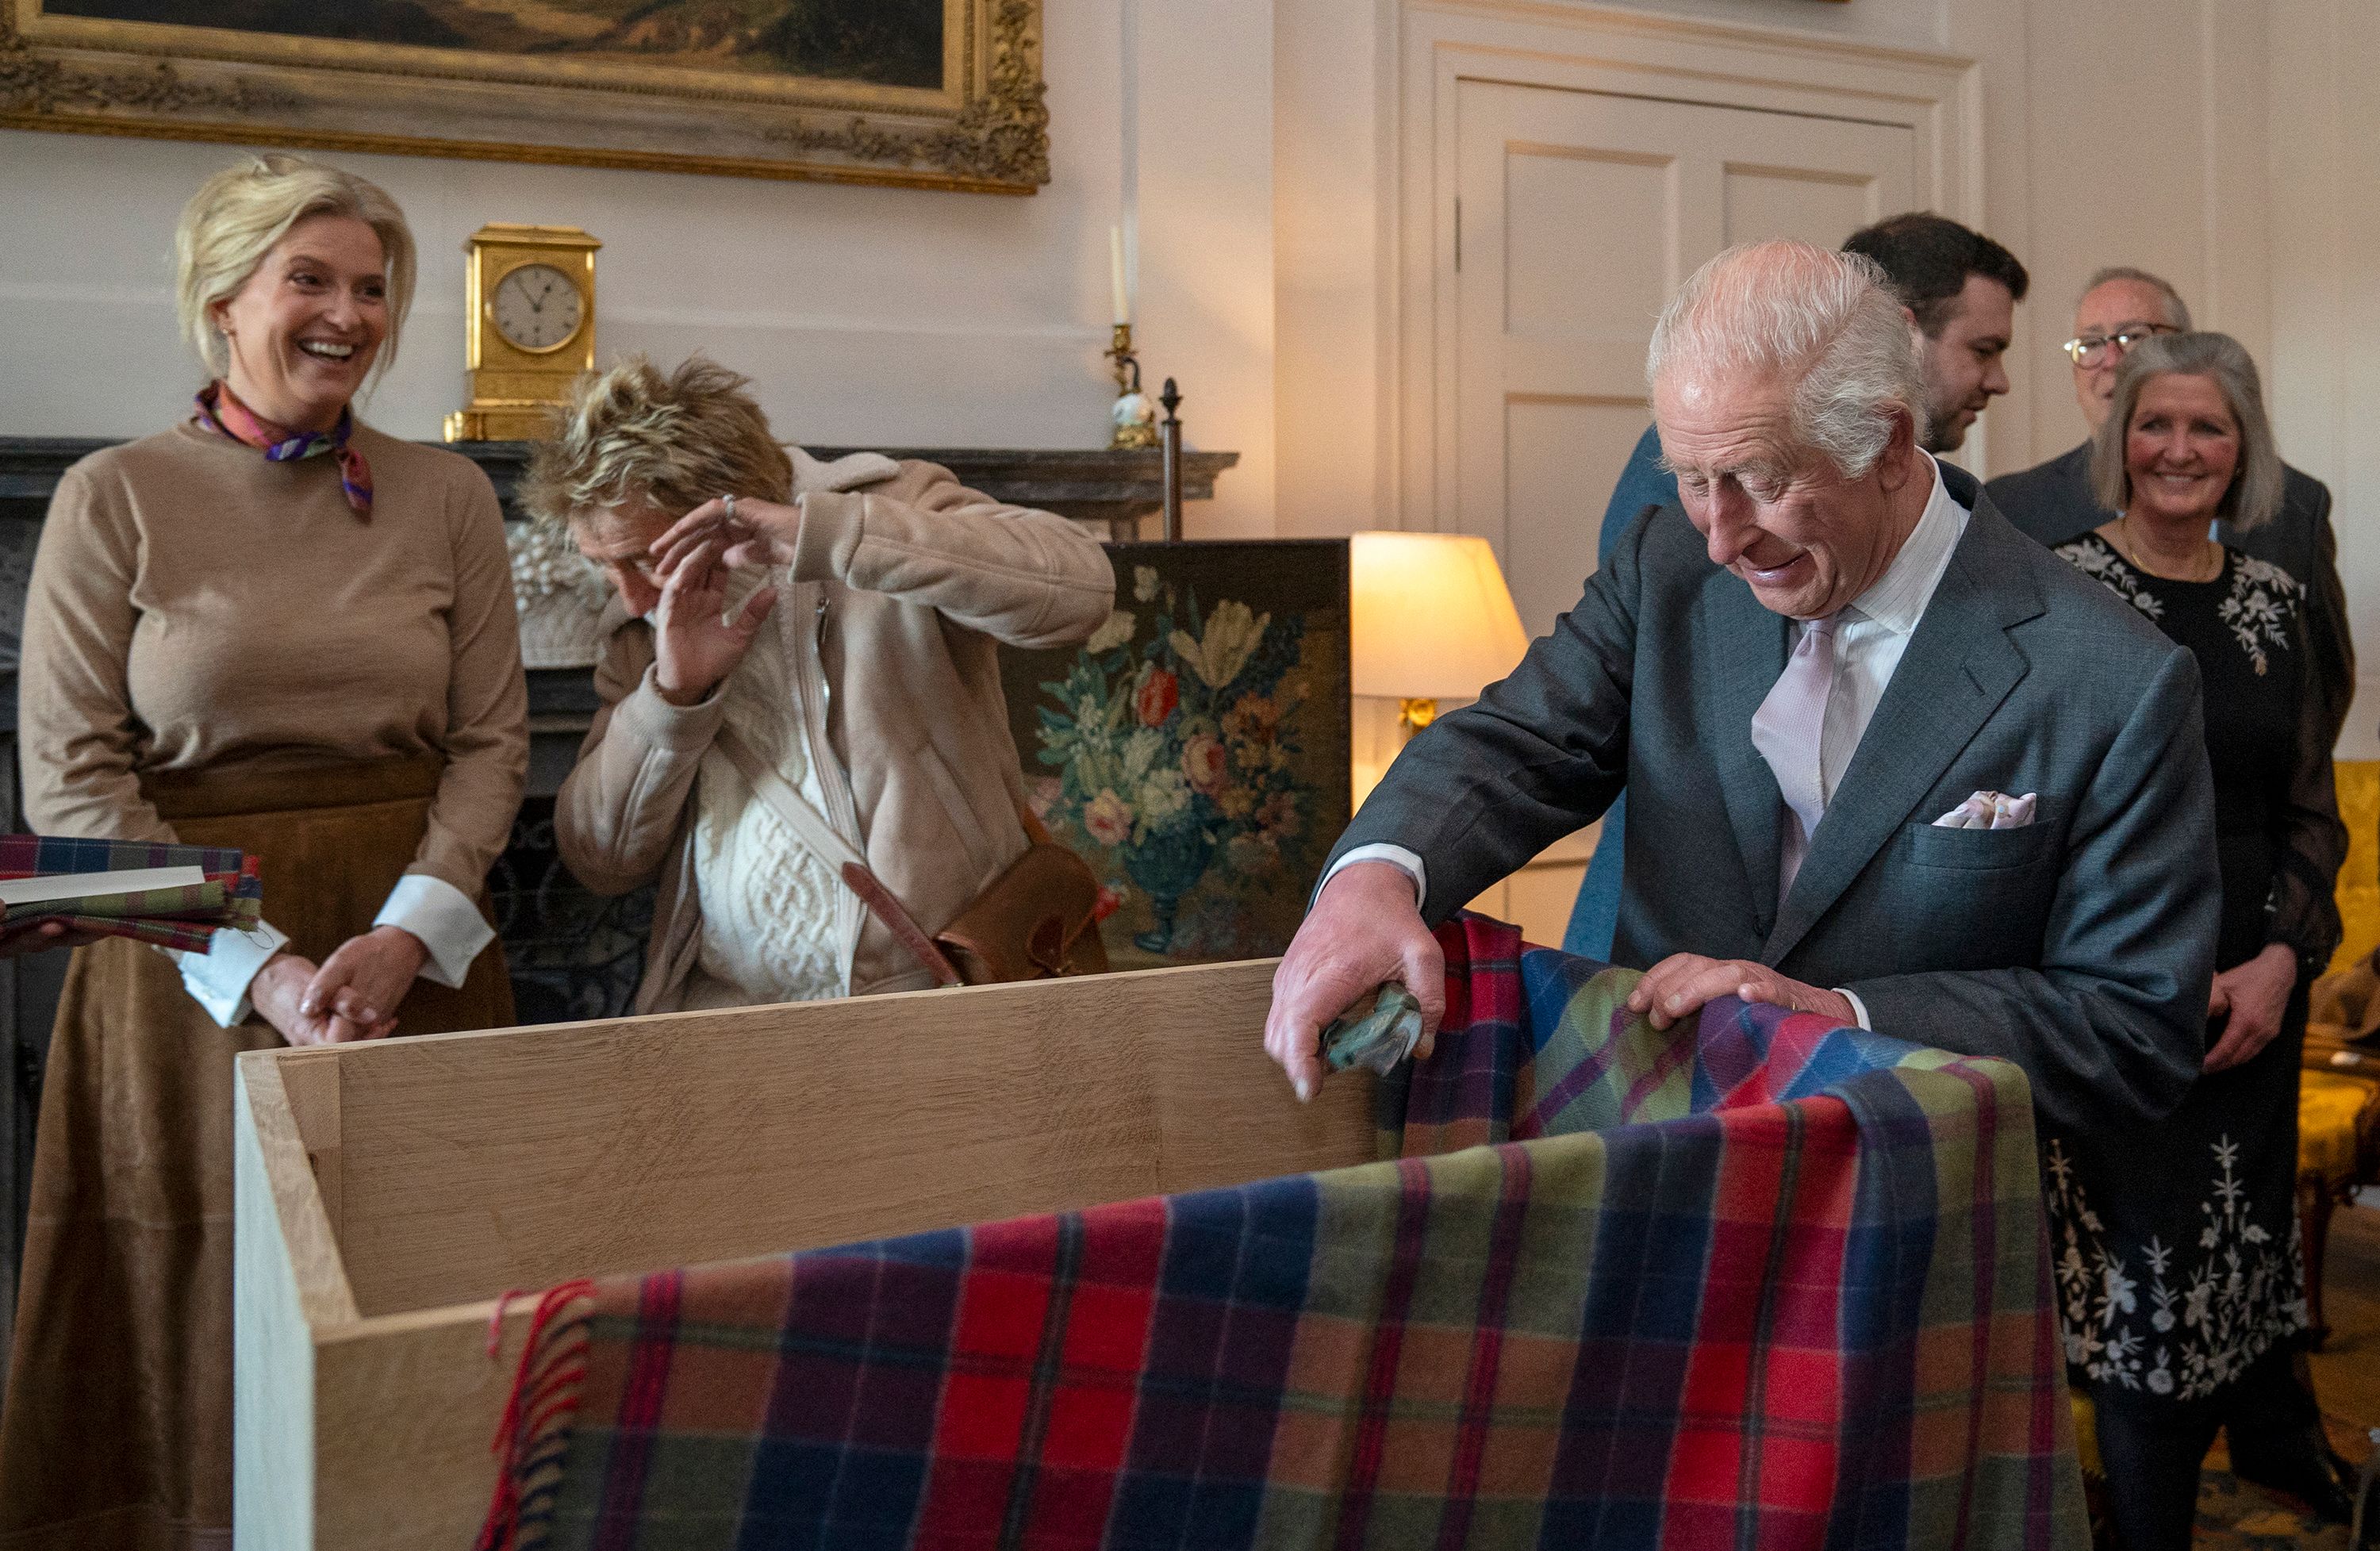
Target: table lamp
x,y
1431,620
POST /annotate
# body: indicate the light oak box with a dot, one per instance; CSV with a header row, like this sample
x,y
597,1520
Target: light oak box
x,y
388,1193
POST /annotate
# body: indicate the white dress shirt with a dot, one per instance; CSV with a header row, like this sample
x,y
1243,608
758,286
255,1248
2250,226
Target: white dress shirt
x,y
442,916
1873,632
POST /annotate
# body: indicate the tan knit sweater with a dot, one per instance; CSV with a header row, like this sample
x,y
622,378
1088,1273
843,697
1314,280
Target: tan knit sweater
x,y
194,606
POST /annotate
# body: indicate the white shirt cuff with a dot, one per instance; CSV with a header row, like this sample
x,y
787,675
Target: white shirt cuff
x,y
218,979
1859,1008
1395,856
445,920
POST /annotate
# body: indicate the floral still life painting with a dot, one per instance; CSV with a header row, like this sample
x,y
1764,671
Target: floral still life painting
x,y
1195,751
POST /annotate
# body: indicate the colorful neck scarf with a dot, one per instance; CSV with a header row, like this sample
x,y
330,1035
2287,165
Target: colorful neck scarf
x,y
219,411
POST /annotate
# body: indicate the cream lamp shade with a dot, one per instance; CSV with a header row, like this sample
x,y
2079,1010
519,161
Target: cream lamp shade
x,y
1432,618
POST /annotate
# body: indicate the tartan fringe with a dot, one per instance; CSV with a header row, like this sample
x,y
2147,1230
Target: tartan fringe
x,y
533,1436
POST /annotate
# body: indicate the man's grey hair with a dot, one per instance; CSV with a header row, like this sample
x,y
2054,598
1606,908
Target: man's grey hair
x,y
2256,484
2176,312
1829,322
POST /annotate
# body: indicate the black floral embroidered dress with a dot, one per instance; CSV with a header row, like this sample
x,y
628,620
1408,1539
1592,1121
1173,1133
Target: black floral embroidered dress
x,y
2175,1244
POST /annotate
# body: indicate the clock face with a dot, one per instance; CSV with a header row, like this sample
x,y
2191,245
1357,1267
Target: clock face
x,y
536,307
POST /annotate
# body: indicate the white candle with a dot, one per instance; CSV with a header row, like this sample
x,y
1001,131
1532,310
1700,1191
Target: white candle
x,y
1115,272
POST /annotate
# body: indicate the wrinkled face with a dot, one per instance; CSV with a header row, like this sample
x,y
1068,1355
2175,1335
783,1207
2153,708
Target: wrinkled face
x,y
621,540
2115,306
1962,365
2181,449
304,331
1776,513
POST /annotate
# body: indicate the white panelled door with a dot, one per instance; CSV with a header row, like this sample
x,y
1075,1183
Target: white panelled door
x,y
1576,215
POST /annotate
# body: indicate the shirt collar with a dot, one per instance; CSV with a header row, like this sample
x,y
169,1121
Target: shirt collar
x,y
1899,595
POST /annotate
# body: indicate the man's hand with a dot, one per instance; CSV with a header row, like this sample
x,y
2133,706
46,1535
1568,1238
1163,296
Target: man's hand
x,y
696,642
2256,995
1677,988
1365,929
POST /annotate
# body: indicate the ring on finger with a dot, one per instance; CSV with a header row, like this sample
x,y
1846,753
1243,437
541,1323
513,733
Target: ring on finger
x,y
730,505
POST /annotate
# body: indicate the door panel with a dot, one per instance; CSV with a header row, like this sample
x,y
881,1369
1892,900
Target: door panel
x,y
1547,441
1566,211
1580,212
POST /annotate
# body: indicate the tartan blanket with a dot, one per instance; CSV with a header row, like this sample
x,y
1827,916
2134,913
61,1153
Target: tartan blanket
x,y
232,895
1767,1282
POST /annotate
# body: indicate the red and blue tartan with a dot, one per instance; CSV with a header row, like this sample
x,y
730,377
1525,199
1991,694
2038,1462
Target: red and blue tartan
x,y
231,897
1769,1282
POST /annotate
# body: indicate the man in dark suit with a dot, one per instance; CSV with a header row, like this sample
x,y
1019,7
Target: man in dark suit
x,y
2052,502
1797,676
1961,289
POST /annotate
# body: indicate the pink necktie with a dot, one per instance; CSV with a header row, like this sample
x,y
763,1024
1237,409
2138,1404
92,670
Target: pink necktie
x,y
1788,729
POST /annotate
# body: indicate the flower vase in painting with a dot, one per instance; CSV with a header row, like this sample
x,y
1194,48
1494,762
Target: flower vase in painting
x,y
1186,750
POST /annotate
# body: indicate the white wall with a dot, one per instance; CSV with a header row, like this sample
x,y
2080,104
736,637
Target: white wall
x,y
866,315
2323,158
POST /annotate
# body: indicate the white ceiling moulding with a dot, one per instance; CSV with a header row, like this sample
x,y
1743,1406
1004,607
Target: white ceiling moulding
x,y
1441,43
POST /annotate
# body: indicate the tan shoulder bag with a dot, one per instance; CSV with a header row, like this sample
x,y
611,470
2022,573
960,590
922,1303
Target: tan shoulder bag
x,y
1037,920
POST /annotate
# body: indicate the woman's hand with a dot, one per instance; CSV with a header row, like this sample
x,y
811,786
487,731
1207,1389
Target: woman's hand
x,y
696,642
364,979
278,994
2256,995
749,532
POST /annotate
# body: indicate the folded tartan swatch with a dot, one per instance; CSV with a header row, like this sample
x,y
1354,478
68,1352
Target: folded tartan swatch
x,y
1764,1282
231,897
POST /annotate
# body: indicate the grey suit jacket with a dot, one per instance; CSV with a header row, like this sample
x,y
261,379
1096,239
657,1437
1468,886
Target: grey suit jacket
x,y
2080,947
2052,503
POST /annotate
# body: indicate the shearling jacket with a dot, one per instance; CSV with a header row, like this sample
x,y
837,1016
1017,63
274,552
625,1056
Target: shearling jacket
x,y
907,581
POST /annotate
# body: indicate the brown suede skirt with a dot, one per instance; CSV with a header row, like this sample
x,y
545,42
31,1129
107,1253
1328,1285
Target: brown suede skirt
x,y
116,1430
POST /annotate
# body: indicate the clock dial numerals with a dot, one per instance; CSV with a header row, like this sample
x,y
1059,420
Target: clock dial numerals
x,y
536,307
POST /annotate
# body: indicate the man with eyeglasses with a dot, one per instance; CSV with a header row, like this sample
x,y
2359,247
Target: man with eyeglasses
x,y
2052,502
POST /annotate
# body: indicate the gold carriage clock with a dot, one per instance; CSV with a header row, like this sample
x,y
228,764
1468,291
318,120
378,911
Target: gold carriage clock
x,y
530,327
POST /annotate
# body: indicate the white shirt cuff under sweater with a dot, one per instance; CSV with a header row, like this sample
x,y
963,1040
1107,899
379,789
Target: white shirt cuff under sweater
x,y
442,916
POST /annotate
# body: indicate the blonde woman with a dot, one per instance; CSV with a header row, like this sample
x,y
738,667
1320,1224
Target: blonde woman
x,y
835,623
272,627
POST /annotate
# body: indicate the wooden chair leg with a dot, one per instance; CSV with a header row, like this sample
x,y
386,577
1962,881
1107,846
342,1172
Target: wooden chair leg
x,y
2317,1202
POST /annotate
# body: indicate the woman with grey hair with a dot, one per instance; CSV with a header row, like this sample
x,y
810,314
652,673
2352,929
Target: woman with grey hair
x,y
2180,1277
271,628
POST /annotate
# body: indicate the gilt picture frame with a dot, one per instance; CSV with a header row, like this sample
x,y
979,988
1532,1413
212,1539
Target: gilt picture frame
x,y
1195,750
933,93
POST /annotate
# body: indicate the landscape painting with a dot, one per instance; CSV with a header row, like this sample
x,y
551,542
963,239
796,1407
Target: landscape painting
x,y
1195,751
940,93
885,42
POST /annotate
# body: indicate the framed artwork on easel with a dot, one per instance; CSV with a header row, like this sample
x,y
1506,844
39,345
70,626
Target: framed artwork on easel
x,y
1195,750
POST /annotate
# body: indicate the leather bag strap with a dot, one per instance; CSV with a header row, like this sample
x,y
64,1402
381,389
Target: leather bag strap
x,y
814,831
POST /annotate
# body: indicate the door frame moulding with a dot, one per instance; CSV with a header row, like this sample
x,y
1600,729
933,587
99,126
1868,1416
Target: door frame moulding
x,y
1441,43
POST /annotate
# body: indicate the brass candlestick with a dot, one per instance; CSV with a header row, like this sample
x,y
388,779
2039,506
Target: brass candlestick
x,y
1134,416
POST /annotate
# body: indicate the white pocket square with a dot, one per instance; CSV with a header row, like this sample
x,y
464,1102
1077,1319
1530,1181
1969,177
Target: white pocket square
x,y
1989,810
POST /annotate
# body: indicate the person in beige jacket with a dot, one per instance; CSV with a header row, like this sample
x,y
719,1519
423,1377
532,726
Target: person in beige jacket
x,y
841,622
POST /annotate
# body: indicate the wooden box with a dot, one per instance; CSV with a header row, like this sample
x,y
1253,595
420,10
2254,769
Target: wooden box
x,y
388,1193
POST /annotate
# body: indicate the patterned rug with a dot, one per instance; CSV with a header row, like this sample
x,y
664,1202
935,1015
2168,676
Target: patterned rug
x,y
2235,1515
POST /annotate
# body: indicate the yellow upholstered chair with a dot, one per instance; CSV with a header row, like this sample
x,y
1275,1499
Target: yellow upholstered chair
x,y
2339,1092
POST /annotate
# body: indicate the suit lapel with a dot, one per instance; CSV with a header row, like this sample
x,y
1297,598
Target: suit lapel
x,y
1959,667
1746,651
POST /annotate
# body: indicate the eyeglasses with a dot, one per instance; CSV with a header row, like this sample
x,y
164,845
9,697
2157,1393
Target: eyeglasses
x,y
2097,349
